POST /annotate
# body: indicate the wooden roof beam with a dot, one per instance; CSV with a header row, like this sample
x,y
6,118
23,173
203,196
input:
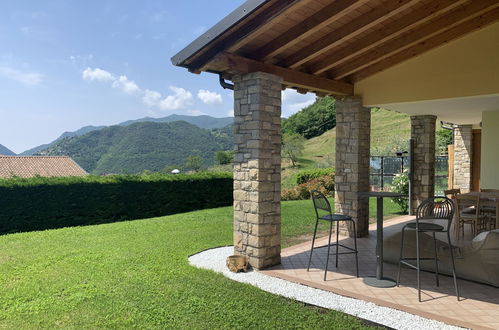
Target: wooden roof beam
x,y
375,38
258,31
347,31
273,10
445,22
437,40
306,28
237,64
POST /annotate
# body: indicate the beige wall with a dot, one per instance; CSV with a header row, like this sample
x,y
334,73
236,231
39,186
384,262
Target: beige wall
x,y
490,154
465,67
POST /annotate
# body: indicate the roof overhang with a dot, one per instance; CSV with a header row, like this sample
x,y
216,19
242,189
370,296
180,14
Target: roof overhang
x,y
328,46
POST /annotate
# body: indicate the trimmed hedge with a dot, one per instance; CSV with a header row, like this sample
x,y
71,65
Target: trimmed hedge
x,y
304,176
47,203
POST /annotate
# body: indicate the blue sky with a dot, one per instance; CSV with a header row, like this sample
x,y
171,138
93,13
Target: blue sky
x,y
65,64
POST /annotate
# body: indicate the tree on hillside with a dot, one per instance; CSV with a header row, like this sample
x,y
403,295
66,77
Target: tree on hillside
x,y
292,147
313,120
194,163
443,139
224,157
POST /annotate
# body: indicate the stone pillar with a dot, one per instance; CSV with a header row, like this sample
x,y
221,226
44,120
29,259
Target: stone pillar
x,y
463,144
353,139
257,168
423,162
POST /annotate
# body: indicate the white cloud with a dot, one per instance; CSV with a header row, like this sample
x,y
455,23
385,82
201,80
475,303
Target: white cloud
x,y
97,74
196,112
127,86
81,59
230,113
26,78
293,102
181,98
209,97
151,98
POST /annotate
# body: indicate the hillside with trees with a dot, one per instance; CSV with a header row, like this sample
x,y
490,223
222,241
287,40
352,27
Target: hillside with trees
x,y
142,146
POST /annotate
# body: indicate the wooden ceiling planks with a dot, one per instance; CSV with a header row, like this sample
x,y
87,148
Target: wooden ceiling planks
x,y
258,32
324,46
412,37
307,27
388,31
455,32
346,31
266,14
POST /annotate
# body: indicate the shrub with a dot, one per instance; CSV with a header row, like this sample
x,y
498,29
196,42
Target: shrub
x,y
400,184
324,184
224,157
313,173
45,203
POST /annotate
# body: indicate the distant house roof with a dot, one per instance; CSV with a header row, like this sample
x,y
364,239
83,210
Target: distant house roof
x,y
30,166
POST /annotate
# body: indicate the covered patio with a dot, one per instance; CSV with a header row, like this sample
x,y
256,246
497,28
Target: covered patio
x,y
478,307
435,60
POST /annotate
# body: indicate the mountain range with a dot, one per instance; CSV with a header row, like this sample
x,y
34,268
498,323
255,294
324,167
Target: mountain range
x,y
141,146
202,121
6,151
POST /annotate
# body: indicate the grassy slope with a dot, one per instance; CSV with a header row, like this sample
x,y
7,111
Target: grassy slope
x,y
387,128
136,274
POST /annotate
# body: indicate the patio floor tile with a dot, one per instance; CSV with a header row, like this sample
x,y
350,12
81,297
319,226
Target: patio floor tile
x,y
478,308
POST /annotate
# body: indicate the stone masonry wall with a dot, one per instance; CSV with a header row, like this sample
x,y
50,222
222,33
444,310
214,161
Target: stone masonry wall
x,y
353,139
257,168
423,134
463,151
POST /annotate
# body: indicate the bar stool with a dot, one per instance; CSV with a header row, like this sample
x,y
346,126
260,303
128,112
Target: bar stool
x,y
321,205
433,208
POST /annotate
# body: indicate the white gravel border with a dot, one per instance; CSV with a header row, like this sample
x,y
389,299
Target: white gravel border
x,y
214,259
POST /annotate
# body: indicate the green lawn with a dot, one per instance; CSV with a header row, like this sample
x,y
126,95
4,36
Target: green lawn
x,y
136,274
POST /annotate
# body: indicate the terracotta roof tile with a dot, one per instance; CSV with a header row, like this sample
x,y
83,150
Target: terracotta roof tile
x,y
30,166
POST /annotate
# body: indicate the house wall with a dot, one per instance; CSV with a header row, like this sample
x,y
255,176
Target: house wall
x,y
463,153
490,155
468,66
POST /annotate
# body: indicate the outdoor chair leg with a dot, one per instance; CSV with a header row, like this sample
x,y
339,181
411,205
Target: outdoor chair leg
x,y
453,265
355,245
312,248
328,249
400,257
436,259
337,240
418,265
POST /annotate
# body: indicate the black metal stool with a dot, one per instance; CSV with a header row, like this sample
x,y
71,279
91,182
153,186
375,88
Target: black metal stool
x,y
322,204
433,208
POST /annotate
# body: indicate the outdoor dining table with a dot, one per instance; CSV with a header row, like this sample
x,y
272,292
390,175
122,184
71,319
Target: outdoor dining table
x,y
380,281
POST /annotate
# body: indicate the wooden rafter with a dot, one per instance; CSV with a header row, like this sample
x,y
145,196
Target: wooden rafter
x,y
347,31
432,42
261,19
385,50
226,62
429,11
306,28
257,32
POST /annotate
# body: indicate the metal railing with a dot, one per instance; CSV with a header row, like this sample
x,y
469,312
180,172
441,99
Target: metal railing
x,y
384,168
